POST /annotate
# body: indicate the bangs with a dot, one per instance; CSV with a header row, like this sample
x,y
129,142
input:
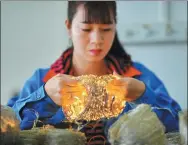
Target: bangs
x,y
99,12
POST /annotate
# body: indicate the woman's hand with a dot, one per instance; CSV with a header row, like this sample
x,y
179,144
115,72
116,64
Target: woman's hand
x,y
127,88
62,85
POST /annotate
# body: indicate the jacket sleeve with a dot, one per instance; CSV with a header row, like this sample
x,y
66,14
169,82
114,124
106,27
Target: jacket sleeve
x,y
157,96
33,102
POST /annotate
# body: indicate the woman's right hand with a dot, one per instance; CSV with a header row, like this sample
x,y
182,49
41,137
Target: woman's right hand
x,y
62,85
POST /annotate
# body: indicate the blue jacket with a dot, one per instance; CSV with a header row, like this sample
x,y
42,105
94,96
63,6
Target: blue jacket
x,y
33,102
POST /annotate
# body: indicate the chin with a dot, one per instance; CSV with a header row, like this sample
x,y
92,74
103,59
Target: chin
x,y
95,59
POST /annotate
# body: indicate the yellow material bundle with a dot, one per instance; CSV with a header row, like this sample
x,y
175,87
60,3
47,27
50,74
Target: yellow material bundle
x,y
93,101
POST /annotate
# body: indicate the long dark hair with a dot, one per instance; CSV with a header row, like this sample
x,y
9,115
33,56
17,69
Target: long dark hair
x,y
102,12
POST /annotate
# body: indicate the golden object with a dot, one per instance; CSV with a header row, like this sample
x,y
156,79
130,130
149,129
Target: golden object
x,y
93,101
8,119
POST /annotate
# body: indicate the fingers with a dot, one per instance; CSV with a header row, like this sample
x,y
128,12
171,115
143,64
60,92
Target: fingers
x,y
117,92
67,80
117,87
73,95
70,86
71,83
73,89
119,82
63,75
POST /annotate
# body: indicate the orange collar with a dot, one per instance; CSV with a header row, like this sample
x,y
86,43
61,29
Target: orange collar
x,y
131,72
63,65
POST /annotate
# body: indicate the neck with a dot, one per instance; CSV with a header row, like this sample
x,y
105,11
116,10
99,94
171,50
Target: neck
x,y
83,67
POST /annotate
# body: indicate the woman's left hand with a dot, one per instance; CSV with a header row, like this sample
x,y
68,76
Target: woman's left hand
x,y
126,87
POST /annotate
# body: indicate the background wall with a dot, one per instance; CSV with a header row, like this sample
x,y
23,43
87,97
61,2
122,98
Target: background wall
x,y
33,35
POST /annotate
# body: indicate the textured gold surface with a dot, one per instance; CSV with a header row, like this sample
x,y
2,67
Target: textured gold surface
x,y
93,101
8,119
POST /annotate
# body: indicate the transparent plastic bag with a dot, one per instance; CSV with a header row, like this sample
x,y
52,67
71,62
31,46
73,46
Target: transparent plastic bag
x,y
183,126
173,138
140,126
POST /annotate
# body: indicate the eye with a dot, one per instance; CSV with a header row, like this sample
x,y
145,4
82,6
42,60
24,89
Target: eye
x,y
107,29
86,30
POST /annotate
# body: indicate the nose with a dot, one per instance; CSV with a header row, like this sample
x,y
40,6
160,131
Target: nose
x,y
96,37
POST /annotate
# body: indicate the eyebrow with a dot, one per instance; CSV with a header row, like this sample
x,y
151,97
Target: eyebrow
x,y
85,22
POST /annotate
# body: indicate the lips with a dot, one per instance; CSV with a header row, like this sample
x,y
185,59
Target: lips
x,y
95,52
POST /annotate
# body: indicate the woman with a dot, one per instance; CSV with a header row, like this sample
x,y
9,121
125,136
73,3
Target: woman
x,y
96,50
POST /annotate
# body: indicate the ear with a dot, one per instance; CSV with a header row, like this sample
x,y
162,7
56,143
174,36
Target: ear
x,y
68,26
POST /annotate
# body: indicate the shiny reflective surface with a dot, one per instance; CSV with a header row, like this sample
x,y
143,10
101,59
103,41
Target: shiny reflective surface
x,y
93,100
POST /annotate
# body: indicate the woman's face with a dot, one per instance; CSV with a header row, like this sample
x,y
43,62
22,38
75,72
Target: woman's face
x,y
91,41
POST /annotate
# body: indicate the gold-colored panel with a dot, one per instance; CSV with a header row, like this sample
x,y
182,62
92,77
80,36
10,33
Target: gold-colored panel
x,y
93,100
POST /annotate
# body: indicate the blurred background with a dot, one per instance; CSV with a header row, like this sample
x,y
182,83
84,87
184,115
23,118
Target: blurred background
x,y
33,35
